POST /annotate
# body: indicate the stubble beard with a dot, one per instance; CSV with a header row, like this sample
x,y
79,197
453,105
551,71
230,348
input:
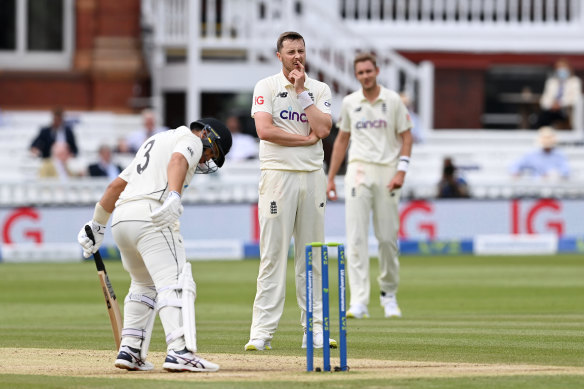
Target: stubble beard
x,y
369,86
289,67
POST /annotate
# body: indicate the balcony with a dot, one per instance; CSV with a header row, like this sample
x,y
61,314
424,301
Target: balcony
x,y
444,25
469,25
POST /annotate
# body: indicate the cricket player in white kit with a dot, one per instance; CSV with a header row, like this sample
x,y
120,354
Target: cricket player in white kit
x,y
292,114
147,201
378,125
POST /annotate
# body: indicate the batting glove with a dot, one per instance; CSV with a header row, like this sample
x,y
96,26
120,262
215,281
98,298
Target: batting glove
x,y
168,213
98,233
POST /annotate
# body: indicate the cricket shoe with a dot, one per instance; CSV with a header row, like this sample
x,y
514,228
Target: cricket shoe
x,y
258,345
389,304
317,341
358,311
129,359
184,360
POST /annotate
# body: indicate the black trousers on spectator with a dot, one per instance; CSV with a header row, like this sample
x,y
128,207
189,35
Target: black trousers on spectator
x,y
557,118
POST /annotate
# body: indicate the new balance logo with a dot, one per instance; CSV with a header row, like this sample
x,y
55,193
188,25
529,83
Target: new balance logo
x,y
358,109
321,205
273,208
354,192
283,94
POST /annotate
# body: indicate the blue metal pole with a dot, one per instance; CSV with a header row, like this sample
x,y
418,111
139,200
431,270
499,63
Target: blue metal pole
x,y
326,351
342,309
309,292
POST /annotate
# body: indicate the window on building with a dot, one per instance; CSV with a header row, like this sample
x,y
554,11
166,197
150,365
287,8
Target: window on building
x,y
512,96
7,24
36,34
45,25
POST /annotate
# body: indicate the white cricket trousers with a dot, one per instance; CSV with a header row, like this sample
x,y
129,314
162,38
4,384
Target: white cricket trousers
x,y
291,204
366,193
154,260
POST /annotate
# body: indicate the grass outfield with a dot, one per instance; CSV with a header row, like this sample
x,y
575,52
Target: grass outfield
x,y
479,312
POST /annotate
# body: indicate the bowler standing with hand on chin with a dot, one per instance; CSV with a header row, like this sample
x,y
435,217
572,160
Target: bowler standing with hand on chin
x,y
292,114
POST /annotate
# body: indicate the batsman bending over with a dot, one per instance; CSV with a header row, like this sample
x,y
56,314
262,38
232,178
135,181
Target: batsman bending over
x,y
147,201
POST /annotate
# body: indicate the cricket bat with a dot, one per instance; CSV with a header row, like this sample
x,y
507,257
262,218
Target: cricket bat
x,y
113,309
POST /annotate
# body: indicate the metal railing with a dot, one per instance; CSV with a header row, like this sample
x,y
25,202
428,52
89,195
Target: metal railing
x,y
245,23
464,11
244,190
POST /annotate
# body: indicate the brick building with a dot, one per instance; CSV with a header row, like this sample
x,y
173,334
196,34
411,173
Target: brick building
x,y
82,55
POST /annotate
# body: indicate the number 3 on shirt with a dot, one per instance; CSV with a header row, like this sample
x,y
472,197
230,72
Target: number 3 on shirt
x,y
147,149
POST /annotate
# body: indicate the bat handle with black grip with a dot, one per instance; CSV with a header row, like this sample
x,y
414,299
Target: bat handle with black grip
x,y
96,256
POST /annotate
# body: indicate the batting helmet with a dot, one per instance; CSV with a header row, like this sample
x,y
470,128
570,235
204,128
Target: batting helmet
x,y
217,134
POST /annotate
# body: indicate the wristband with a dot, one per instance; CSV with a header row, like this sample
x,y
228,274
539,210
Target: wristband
x,y
100,215
305,100
402,165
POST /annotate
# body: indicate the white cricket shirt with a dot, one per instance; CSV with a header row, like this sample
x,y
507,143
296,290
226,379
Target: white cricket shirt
x,y
374,127
147,173
276,96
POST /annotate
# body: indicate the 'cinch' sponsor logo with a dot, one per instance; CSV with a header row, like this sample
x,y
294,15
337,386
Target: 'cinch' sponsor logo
x,y
294,116
365,124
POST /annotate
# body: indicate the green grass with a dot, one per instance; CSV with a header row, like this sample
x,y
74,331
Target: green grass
x,y
513,382
503,310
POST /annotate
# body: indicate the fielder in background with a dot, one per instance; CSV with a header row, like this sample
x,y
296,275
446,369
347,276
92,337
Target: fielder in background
x,y
145,225
378,125
292,113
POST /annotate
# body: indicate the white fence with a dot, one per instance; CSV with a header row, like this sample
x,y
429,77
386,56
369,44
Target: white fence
x,y
521,26
240,185
465,11
484,157
252,23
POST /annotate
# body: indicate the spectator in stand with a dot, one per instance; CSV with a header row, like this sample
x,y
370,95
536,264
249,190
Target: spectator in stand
x,y
58,131
451,186
244,146
545,162
104,167
135,139
561,94
57,166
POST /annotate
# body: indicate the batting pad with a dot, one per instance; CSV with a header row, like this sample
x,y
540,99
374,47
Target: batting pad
x,y
186,303
189,294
